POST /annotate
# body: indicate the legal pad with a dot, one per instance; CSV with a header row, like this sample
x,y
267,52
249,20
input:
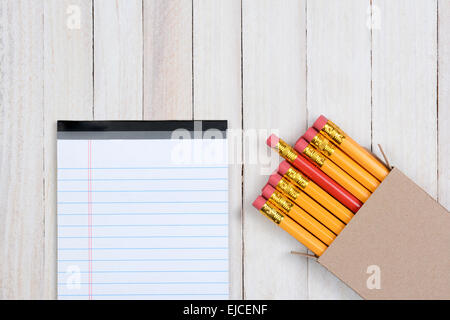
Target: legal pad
x,y
142,210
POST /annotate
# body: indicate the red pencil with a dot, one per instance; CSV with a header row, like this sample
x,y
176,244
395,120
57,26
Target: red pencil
x,y
314,173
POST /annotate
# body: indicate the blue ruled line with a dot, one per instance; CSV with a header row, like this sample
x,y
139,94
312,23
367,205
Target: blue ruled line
x,y
143,294
153,179
146,202
136,191
140,237
149,271
194,248
142,260
141,214
131,283
145,168
139,225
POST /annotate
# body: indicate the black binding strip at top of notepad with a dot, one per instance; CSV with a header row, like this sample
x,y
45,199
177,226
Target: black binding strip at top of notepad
x,y
139,129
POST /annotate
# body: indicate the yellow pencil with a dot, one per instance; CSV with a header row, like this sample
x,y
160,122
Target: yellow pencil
x,y
290,226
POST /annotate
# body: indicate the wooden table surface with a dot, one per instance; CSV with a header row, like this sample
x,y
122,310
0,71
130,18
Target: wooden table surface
x,y
379,68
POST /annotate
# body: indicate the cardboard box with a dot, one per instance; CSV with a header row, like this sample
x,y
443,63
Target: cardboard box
x,y
396,247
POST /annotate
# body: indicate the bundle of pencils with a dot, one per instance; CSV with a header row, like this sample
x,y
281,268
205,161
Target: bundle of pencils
x,y
323,182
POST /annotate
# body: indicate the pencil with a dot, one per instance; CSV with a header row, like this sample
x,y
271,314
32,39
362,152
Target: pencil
x,y
299,215
333,153
332,170
351,148
290,226
305,202
293,176
314,173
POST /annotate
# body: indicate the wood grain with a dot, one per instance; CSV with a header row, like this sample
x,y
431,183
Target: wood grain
x,y
444,103
384,67
167,59
118,57
339,76
404,88
274,96
217,95
21,150
68,95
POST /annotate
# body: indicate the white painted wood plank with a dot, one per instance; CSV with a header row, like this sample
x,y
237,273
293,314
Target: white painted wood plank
x,y
444,103
68,95
217,95
118,51
404,87
274,97
21,150
167,59
339,76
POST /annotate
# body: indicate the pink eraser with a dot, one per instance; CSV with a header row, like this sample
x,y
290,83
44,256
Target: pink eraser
x,y
320,122
267,183
283,167
259,202
274,179
267,191
310,134
301,144
272,141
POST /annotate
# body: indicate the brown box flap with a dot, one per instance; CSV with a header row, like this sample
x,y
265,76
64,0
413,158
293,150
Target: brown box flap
x,y
402,231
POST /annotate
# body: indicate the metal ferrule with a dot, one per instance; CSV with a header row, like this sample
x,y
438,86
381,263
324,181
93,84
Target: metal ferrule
x,y
334,132
297,177
286,151
281,201
288,189
271,213
323,144
314,155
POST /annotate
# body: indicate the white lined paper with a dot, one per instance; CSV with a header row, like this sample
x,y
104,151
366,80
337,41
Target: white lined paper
x,y
157,227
